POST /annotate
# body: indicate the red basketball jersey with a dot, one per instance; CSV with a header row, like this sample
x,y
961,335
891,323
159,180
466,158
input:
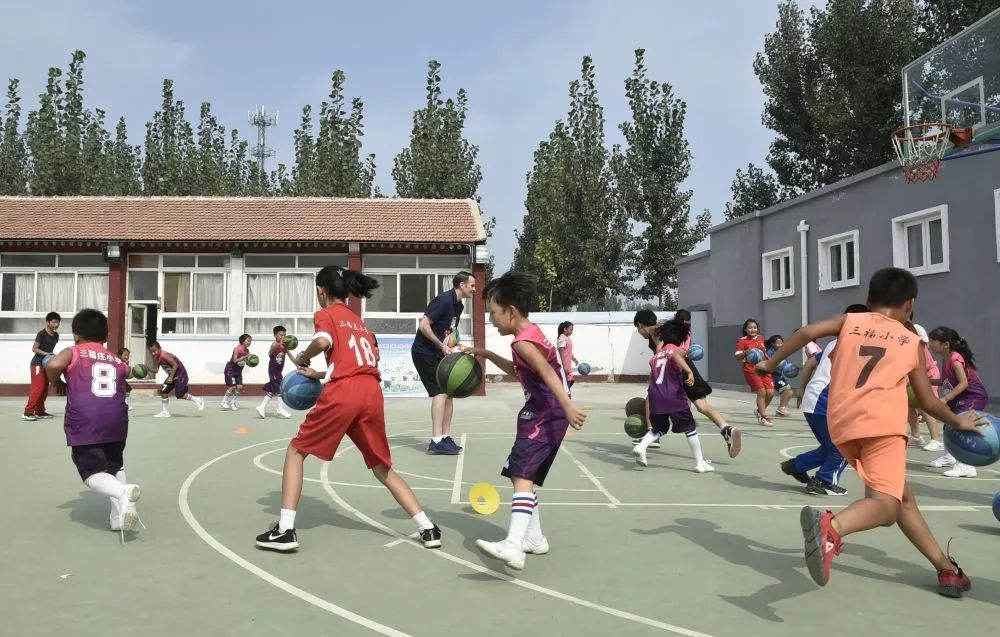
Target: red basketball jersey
x,y
353,350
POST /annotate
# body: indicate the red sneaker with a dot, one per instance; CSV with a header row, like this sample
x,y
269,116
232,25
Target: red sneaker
x,y
822,542
952,583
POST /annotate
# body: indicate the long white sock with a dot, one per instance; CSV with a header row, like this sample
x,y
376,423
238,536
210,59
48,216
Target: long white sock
x,y
163,404
648,439
105,484
263,403
281,405
191,397
695,445
116,511
535,525
522,505
423,522
286,520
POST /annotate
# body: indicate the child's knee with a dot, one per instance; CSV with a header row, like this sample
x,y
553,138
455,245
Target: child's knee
x,y
381,472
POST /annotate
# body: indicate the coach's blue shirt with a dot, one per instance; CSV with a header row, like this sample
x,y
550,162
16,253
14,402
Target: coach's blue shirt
x,y
443,313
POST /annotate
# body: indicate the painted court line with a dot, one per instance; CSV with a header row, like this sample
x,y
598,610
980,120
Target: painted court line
x,y
456,490
396,542
259,463
590,476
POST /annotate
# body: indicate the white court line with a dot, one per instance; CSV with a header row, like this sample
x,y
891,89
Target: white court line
x,y
309,598
590,476
456,490
259,463
785,452
411,536
639,619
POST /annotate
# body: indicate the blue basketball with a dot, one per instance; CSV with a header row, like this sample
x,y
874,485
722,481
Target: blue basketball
x,y
300,392
755,356
46,359
788,369
583,368
974,450
696,353
996,506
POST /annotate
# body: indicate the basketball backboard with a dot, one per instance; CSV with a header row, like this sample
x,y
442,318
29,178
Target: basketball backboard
x,y
958,82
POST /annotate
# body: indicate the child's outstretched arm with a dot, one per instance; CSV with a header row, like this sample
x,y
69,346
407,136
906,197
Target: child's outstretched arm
x,y
56,367
678,358
534,359
505,365
799,339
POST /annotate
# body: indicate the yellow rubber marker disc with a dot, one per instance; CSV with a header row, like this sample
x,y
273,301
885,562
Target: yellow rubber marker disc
x,y
484,498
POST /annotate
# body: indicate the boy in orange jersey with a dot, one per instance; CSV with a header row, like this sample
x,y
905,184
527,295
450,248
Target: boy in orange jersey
x,y
874,356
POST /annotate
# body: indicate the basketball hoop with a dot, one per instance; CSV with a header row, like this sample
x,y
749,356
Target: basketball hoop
x,y
921,147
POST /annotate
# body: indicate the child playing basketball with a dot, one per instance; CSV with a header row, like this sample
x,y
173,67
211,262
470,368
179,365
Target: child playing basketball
x,y
875,355
43,345
96,420
125,355
782,388
275,369
565,346
762,386
964,391
351,404
541,423
666,403
176,381
233,372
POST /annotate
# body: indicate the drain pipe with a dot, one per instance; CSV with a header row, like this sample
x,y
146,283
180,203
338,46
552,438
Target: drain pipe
x,y
803,229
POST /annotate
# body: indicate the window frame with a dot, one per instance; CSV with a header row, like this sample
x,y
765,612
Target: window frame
x,y
161,270
442,283
900,244
35,271
779,255
825,269
277,314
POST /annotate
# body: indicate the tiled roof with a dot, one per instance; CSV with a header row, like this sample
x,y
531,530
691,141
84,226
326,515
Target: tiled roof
x,y
243,219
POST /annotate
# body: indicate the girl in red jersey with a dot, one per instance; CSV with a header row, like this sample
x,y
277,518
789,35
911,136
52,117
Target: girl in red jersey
x,y
763,386
351,404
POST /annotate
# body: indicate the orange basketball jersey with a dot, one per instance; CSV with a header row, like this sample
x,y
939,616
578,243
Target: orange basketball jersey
x,y
874,354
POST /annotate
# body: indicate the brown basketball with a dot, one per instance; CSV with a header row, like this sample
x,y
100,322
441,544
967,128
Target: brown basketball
x,y
636,407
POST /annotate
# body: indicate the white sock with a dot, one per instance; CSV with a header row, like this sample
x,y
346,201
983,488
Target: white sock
x,y
263,403
120,476
522,505
287,520
191,397
437,439
695,445
163,403
281,405
535,525
105,484
648,439
127,403
423,522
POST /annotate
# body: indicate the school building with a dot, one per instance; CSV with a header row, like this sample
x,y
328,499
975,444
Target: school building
x,y
196,272
810,257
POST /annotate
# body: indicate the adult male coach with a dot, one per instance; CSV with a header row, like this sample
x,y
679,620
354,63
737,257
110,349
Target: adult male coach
x,y
438,326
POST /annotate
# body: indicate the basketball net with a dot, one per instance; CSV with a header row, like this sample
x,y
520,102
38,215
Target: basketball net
x,y
921,147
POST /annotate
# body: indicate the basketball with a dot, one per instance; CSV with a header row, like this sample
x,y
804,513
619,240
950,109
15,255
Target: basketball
x,y
636,407
459,375
635,427
291,342
46,359
696,353
583,368
140,371
789,369
253,360
755,356
996,506
968,448
300,392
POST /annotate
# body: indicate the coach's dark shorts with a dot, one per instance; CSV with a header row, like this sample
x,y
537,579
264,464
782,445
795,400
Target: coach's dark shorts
x,y
426,366
530,459
700,389
681,422
106,457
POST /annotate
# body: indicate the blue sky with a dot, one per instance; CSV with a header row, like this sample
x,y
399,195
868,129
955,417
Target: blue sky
x,y
514,58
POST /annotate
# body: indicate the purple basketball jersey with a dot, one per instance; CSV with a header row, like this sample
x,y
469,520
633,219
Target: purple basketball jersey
x,y
180,374
96,412
666,384
541,418
276,364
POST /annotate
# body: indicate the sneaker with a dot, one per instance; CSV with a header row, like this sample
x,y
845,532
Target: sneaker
x,y
538,546
705,466
431,537
44,415
788,468
128,515
260,411
952,583
440,449
450,442
278,541
640,456
817,486
766,421
781,411
233,407
916,441
821,542
31,417
162,414
961,470
512,556
224,405
734,440
281,413
934,445
944,460
201,403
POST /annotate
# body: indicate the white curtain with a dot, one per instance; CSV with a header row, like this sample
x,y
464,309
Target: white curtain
x,y
210,293
262,293
265,326
23,286
55,292
177,292
178,325
92,291
297,293
213,325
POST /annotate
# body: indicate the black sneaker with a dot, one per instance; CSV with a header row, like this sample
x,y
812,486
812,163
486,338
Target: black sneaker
x,y
451,444
788,468
278,541
44,414
734,440
822,487
431,537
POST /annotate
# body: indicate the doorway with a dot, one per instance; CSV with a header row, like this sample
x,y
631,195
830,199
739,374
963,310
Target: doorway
x,y
141,330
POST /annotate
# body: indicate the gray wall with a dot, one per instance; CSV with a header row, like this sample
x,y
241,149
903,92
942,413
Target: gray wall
x,y
727,280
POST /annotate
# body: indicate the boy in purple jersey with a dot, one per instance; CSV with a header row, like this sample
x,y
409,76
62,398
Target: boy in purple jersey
x,y
233,372
96,421
541,423
177,379
275,370
667,404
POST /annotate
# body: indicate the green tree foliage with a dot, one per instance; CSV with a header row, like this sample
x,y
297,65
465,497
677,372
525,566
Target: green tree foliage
x,y
13,154
123,164
752,190
941,19
44,138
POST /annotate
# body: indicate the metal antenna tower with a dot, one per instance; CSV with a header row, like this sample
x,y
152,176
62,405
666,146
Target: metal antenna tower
x,y
261,119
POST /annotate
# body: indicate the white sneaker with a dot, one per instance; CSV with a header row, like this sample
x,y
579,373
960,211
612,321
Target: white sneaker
x,y
916,441
281,413
934,445
130,407
536,547
260,411
512,556
224,405
232,406
944,460
129,517
961,471
201,403
162,414
704,467
640,456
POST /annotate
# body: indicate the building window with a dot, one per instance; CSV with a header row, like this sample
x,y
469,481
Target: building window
x,y
31,285
281,290
191,290
776,270
920,241
407,284
839,261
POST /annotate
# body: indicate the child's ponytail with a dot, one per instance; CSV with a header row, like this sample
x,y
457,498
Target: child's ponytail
x,y
339,282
